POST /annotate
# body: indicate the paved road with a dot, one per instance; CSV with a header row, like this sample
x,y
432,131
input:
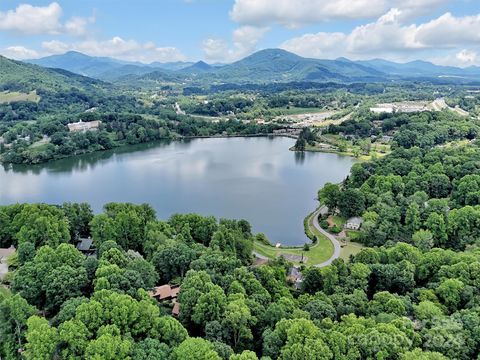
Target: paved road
x,y
333,239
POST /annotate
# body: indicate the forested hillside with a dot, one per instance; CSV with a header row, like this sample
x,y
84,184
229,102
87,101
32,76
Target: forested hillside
x,y
19,76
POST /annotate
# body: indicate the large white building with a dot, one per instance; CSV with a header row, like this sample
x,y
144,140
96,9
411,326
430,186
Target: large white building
x,y
84,126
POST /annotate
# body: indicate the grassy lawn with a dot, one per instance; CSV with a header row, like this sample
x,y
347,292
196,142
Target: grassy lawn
x,y
350,248
318,253
336,142
352,234
9,97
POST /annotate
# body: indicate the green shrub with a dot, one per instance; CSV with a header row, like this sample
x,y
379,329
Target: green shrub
x,y
335,229
324,224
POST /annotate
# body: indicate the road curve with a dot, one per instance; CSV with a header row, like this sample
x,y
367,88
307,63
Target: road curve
x,y
333,239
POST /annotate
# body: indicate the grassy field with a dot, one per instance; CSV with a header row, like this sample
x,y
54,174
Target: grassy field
x,y
9,97
376,151
350,248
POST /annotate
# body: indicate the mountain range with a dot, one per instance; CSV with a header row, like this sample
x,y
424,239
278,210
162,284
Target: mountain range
x,y
270,65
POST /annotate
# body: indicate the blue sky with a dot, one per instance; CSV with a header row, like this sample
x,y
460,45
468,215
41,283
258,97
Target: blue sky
x,y
442,31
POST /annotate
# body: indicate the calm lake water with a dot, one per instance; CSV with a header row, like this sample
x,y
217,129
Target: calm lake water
x,y
257,179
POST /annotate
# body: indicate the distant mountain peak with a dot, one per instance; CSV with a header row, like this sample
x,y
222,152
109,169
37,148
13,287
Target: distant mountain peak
x,y
272,53
198,67
344,59
201,64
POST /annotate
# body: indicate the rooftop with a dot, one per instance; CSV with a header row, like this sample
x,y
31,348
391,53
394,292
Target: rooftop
x,y
165,292
84,244
355,220
6,252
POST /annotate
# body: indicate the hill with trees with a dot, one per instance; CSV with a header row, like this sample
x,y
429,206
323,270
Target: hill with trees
x,y
20,76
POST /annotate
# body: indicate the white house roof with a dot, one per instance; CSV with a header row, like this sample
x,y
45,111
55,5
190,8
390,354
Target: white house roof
x,y
355,220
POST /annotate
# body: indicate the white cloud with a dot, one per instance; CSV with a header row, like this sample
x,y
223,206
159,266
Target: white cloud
x,y
18,53
300,12
215,49
34,20
30,19
245,40
389,37
450,31
129,50
462,58
78,25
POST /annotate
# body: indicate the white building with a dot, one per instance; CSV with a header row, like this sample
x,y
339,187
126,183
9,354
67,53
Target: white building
x,y
84,126
354,223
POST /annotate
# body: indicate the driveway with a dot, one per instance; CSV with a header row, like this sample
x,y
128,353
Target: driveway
x,y
336,245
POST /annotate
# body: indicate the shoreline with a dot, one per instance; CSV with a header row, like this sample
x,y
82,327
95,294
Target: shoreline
x,y
123,146
317,249
361,158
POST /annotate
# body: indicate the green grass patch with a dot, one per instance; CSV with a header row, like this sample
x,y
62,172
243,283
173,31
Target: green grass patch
x,y
7,97
39,146
352,235
350,248
318,253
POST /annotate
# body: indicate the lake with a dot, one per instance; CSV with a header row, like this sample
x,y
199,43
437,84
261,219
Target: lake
x,y
252,178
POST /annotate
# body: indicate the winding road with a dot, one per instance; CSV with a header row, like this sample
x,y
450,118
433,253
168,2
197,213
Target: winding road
x,y
336,245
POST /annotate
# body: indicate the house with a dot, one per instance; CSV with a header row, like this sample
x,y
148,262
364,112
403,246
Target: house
x,y
84,245
166,293
4,254
354,223
84,126
295,277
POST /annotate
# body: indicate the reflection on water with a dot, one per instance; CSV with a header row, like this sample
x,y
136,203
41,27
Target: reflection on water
x,y
87,161
300,157
257,179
